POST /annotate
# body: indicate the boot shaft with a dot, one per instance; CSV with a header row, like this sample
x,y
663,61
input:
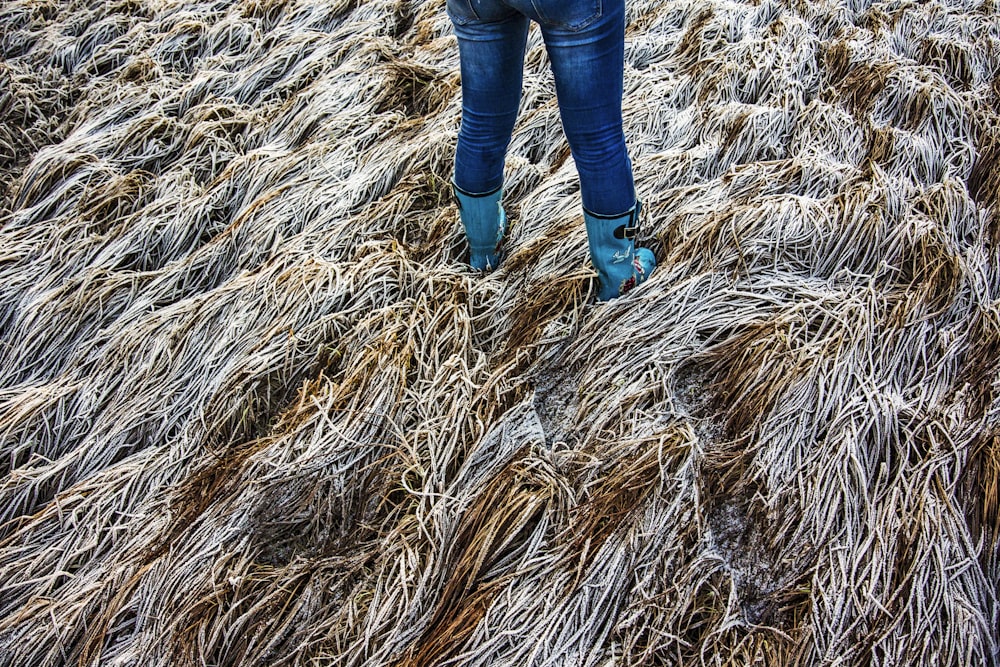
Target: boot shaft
x,y
611,239
485,224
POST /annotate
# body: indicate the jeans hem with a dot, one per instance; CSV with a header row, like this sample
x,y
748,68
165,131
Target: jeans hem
x,y
477,194
602,216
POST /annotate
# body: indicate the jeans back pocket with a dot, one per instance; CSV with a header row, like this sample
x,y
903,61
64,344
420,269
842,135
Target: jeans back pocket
x,y
568,14
461,11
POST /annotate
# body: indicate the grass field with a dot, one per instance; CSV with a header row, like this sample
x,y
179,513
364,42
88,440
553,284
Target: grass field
x,y
256,410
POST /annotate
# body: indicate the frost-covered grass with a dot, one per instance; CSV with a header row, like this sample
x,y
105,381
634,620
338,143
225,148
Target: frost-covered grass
x,y
255,410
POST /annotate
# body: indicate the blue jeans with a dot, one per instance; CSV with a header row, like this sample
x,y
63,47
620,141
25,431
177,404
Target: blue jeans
x,y
585,40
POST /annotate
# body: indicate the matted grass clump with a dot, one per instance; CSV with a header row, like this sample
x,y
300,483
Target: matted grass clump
x,y
255,409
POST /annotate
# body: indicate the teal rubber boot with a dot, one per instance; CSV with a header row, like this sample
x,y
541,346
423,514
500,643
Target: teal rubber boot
x,y
485,224
620,265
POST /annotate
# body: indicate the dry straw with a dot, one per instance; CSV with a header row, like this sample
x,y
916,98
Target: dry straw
x,y
255,410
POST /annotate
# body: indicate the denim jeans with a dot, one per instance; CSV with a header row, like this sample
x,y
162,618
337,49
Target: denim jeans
x,y
585,40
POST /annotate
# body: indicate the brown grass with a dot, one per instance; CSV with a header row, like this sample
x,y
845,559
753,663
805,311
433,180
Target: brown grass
x,y
255,409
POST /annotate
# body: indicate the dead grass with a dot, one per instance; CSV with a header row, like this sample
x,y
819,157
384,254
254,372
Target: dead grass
x,y
255,410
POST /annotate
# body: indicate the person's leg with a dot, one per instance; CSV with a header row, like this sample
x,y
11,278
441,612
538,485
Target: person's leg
x,y
491,42
491,54
588,66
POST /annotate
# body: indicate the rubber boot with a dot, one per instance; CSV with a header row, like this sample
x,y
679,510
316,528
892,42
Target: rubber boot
x,y
485,224
620,265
